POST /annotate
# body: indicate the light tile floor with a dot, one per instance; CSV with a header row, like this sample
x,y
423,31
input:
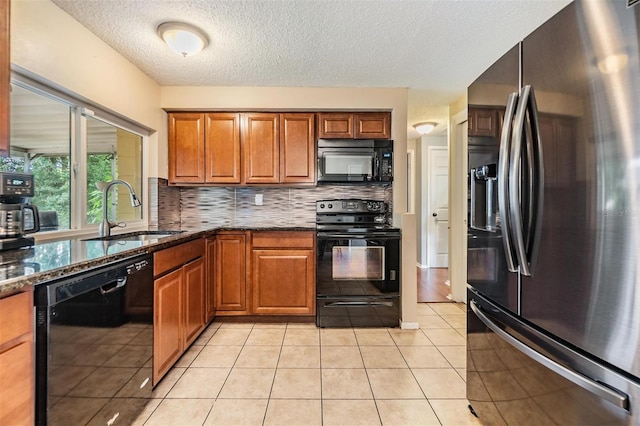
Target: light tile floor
x,y
296,374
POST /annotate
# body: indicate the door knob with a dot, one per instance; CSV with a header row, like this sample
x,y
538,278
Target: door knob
x,y
434,214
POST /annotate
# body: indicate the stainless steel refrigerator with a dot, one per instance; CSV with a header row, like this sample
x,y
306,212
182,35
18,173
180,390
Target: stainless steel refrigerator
x,y
554,224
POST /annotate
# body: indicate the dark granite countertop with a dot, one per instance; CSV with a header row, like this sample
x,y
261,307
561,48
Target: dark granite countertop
x,y
48,260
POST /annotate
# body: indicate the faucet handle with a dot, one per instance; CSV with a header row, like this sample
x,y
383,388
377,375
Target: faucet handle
x,y
120,225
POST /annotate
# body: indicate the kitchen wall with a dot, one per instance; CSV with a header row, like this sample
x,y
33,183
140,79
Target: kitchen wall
x,y
302,98
458,199
318,99
49,43
235,206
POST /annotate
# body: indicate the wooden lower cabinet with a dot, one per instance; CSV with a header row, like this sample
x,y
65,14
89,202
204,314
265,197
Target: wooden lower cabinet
x,y
230,274
17,369
283,281
167,324
265,273
179,303
210,279
194,300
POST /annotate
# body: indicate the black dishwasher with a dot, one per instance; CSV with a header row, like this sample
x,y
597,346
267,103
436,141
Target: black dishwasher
x,y
94,344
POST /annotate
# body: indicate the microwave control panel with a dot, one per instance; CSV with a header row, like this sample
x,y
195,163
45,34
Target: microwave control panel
x,y
386,165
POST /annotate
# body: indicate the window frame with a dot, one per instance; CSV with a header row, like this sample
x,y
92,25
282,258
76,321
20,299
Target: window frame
x,y
80,109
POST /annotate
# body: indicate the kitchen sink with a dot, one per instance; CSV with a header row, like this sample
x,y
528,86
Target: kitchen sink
x,y
137,236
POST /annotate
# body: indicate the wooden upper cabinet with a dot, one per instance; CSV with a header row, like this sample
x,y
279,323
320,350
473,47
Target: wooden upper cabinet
x,y
186,148
372,125
483,122
297,148
5,75
222,148
261,147
334,125
360,125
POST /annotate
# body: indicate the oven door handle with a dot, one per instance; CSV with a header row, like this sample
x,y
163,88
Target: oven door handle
x,y
357,236
357,303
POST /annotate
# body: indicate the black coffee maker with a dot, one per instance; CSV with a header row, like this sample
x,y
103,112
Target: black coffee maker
x,y
17,216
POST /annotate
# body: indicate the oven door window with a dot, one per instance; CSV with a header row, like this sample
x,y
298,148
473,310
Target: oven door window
x,y
348,164
358,263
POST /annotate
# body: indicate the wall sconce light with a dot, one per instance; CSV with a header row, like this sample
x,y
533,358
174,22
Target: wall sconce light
x,y
184,39
426,127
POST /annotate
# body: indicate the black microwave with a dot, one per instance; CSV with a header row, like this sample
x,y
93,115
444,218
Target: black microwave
x,y
355,161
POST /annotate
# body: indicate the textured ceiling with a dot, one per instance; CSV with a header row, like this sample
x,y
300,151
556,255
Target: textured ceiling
x,y
433,47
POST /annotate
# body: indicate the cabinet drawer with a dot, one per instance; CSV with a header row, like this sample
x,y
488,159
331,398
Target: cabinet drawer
x,y
16,313
174,257
298,239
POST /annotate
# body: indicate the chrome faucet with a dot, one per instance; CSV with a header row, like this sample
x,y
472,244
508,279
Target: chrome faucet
x,y
104,230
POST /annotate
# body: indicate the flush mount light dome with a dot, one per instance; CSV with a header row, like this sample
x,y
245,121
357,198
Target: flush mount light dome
x,y
426,127
184,39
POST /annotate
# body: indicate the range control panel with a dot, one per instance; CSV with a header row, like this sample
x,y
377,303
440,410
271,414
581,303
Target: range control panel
x,y
351,206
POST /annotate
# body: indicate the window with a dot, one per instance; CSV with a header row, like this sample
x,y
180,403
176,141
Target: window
x,y
48,133
112,153
41,144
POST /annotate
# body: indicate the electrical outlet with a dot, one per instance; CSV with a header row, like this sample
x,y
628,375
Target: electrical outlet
x,y
259,200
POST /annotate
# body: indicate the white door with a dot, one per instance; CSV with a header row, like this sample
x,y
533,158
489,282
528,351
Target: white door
x,y
438,207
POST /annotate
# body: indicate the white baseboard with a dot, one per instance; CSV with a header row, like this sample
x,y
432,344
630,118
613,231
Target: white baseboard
x,y
421,266
409,325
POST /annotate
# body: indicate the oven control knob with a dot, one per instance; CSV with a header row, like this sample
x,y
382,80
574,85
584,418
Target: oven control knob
x,y
330,206
322,205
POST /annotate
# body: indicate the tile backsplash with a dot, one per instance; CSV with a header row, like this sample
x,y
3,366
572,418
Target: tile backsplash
x,y
198,207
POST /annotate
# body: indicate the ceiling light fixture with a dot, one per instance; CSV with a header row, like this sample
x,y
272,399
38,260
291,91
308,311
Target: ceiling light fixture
x,y
426,127
184,39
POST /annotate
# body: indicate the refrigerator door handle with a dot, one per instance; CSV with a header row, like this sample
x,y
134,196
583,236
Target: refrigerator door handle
x,y
472,214
503,187
537,195
608,393
515,190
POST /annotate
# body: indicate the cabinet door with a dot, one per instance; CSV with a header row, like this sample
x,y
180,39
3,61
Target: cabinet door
x,y
373,125
483,122
17,372
335,125
167,323
186,148
210,289
260,147
297,148
4,77
230,273
283,281
223,148
17,389
194,300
